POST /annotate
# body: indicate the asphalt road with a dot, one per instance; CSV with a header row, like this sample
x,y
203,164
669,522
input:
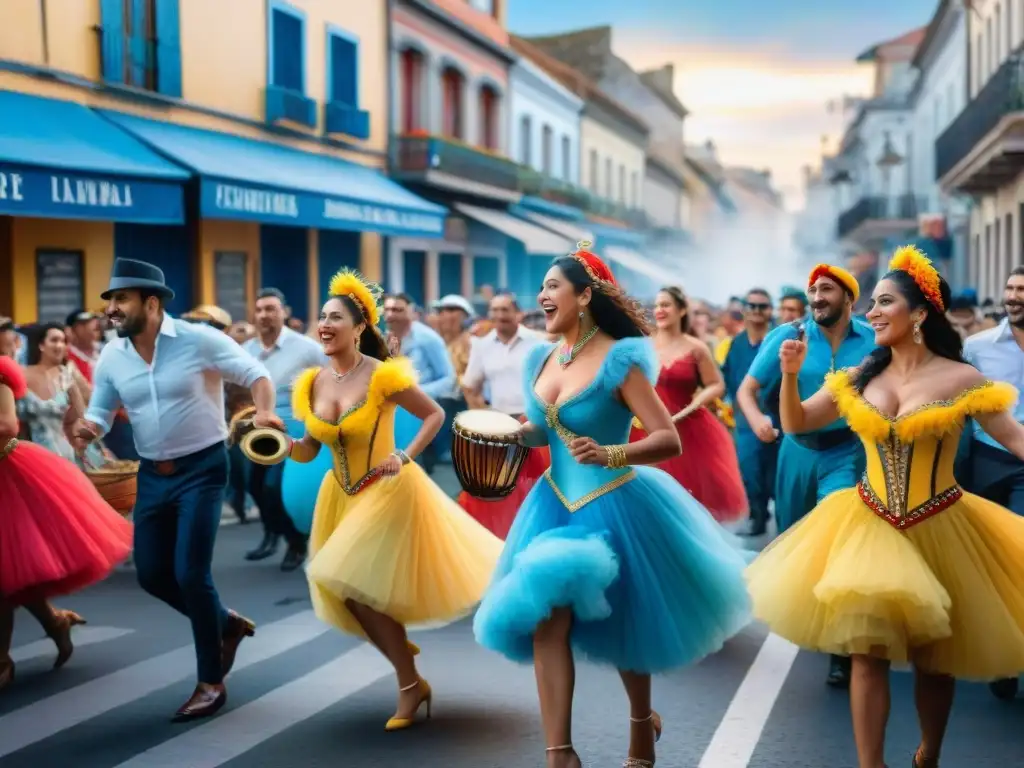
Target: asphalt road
x,y
303,695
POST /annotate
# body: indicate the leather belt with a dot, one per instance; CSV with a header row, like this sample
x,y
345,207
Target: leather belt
x,y
165,468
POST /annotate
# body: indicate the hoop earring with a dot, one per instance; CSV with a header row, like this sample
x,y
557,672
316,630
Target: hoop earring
x,y
918,337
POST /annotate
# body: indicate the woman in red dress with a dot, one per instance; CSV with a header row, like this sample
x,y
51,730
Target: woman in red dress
x,y
57,534
688,383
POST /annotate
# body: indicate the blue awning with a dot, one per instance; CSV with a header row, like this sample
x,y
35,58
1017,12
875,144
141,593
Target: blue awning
x,y
61,160
253,180
608,235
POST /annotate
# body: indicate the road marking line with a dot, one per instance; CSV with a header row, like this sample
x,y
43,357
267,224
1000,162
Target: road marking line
x,y
82,636
47,717
738,734
237,731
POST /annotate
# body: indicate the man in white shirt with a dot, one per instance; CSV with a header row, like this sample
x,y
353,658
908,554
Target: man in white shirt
x,y
497,359
168,374
285,354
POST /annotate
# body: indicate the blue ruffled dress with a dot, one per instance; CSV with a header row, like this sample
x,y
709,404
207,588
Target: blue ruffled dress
x,y
654,583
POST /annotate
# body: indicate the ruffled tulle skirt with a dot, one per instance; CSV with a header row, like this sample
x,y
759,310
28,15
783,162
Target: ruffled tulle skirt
x,y
653,582
399,546
497,516
946,594
708,467
57,534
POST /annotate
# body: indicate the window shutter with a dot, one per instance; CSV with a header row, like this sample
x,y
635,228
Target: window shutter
x,y
168,48
344,71
138,43
112,40
288,51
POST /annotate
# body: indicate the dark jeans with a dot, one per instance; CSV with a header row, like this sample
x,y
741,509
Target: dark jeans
x,y
238,479
121,441
177,514
758,463
993,474
265,488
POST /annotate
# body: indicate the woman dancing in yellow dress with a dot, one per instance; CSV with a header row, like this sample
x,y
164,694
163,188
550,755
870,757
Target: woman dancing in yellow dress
x,y
388,549
905,567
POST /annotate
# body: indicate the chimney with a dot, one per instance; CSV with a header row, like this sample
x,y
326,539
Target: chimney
x,y
663,77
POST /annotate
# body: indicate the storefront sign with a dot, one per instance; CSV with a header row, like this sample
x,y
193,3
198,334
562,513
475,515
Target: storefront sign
x,y
222,200
36,192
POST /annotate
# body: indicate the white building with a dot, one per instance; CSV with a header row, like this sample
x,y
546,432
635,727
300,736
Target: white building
x,y
979,153
939,95
545,126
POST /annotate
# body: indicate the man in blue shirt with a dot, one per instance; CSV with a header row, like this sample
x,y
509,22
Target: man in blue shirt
x,y
168,375
285,354
991,471
757,459
428,354
813,465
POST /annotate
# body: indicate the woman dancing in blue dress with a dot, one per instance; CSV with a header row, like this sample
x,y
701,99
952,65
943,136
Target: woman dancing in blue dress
x,y
613,561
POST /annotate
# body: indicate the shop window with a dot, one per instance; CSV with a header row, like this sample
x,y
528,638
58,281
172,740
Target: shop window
x,y
60,284
231,276
451,103
411,90
140,44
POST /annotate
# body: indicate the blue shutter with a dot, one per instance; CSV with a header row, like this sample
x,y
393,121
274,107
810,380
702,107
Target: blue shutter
x,y
344,71
112,37
168,48
138,44
288,51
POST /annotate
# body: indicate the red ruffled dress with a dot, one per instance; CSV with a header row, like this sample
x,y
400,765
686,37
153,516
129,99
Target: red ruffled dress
x,y
708,467
57,534
497,516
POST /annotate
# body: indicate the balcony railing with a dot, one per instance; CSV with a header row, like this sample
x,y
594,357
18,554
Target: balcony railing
x,y
346,120
901,208
1003,94
293,106
535,183
421,155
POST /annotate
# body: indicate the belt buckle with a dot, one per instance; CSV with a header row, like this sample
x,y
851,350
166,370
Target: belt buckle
x,y
164,468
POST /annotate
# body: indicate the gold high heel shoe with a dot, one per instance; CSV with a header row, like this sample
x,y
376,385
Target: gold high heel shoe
x,y
655,719
413,648
61,634
426,697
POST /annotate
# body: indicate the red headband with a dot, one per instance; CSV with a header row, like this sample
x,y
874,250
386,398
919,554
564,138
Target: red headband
x,y
596,268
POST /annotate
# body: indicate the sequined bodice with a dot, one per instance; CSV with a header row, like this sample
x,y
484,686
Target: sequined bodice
x,y
910,459
678,382
593,412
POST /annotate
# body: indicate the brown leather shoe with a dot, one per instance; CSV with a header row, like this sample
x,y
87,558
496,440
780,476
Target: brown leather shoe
x,y
236,629
206,700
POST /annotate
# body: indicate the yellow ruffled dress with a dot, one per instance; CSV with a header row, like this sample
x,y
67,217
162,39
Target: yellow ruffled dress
x,y
399,545
906,566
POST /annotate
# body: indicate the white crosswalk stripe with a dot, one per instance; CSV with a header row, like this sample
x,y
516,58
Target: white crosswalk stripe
x,y
51,715
83,636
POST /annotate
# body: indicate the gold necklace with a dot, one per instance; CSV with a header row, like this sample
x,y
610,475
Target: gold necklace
x,y
566,357
338,376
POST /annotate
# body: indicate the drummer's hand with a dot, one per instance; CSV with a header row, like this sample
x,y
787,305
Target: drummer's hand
x,y
586,451
82,433
391,466
268,420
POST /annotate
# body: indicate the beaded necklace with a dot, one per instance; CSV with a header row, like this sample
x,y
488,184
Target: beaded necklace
x,y
566,356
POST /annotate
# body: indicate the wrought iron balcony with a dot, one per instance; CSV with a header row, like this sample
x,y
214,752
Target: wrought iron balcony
x,y
982,125
293,106
449,163
892,213
535,183
346,120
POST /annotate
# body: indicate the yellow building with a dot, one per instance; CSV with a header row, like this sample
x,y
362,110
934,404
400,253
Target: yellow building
x,y
235,143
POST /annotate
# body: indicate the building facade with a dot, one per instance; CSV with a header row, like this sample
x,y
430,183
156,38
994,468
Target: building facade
x,y
978,154
229,172
450,142
938,97
873,168
545,123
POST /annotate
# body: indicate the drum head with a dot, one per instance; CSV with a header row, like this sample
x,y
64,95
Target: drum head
x,y
488,423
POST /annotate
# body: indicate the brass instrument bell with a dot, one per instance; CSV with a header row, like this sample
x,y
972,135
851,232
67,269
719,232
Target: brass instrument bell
x,y
261,445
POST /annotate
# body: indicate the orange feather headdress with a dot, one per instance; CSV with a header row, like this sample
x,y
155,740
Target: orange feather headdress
x,y
912,260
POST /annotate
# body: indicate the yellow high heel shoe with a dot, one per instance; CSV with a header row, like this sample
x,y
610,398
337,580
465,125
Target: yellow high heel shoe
x,y
655,719
426,697
413,648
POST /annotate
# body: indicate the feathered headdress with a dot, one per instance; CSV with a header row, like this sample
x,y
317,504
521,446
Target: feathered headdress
x,y
912,260
595,267
364,293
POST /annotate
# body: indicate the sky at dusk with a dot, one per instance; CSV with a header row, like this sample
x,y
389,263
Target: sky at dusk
x,y
756,75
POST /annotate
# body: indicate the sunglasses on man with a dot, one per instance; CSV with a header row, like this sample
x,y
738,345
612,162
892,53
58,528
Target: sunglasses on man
x,y
758,306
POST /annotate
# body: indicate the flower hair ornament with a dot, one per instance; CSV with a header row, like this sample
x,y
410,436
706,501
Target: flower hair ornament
x,y
912,260
595,267
364,293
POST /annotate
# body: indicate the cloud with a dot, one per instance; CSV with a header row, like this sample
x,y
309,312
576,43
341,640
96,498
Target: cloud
x,y
763,105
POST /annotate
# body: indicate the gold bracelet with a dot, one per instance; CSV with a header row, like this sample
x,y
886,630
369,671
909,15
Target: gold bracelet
x,y
616,456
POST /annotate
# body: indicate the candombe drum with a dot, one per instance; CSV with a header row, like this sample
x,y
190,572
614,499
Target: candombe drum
x,y
117,483
486,453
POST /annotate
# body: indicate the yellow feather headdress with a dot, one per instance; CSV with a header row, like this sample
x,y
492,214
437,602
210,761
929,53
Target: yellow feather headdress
x,y
912,260
367,295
